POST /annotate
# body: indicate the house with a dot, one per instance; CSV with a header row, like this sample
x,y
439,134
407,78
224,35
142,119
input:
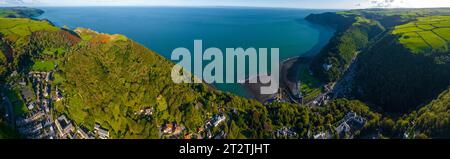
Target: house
x,y
221,135
27,94
36,115
178,129
168,128
187,136
58,94
209,135
47,90
320,136
285,132
101,133
148,111
46,104
49,76
351,123
30,106
327,67
354,120
343,128
83,133
217,119
350,115
64,126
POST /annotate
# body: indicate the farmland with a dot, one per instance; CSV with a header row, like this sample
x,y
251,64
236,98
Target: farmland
x,y
20,27
426,34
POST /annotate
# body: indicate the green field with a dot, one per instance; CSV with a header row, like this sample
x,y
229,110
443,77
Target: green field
x,y
309,86
19,27
425,26
413,41
434,40
425,34
443,32
44,66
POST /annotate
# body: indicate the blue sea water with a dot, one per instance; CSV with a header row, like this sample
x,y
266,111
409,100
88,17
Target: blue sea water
x,y
163,29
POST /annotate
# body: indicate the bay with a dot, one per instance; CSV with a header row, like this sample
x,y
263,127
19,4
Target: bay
x,y
162,29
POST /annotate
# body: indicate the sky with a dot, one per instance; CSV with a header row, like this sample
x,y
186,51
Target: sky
x,y
320,4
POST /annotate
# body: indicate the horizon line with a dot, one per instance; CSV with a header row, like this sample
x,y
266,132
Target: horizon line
x,y
219,6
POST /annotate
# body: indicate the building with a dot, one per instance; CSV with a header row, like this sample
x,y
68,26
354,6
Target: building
x,y
30,106
327,67
27,94
221,135
322,135
350,124
64,126
178,129
146,111
101,133
48,77
83,133
168,128
59,96
285,132
217,119
343,128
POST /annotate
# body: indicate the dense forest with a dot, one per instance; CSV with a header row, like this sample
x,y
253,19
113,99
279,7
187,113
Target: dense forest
x,y
353,35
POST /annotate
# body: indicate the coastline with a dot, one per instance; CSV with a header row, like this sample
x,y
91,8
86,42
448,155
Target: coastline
x,y
289,68
289,76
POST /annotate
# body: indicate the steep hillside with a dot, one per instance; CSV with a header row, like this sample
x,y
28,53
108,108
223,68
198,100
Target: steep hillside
x,y
397,70
432,120
407,68
404,71
353,35
107,80
392,77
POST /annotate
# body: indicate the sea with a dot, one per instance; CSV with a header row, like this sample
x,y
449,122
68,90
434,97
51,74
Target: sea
x,y
163,29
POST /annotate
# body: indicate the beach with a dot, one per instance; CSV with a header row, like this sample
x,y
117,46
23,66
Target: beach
x,y
289,71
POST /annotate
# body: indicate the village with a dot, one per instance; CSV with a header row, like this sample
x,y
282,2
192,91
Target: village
x,y
39,120
172,130
345,128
